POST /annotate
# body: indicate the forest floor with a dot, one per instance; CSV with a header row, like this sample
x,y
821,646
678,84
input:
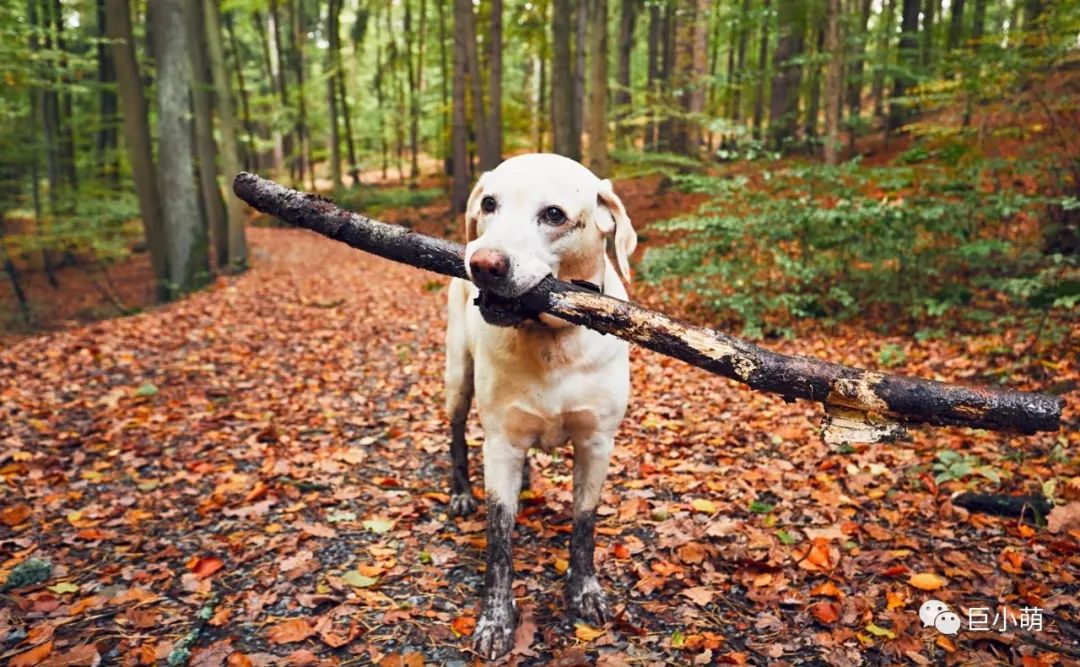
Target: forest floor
x,y
273,450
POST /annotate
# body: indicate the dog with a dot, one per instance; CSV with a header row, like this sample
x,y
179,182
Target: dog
x,y
540,382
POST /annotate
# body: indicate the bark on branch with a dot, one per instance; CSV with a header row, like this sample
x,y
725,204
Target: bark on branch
x,y
863,405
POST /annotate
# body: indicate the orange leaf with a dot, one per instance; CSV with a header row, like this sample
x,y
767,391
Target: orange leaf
x,y
587,633
203,567
827,588
15,514
33,656
561,565
463,626
826,612
926,581
692,553
238,660
290,631
894,600
620,551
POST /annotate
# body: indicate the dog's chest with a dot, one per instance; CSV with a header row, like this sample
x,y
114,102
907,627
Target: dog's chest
x,y
526,427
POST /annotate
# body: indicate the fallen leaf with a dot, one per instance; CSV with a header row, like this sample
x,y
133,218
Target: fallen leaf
x,y
878,631
699,594
463,626
64,587
925,581
204,567
32,657
587,633
357,580
291,631
378,526
703,505
1063,518
826,612
15,514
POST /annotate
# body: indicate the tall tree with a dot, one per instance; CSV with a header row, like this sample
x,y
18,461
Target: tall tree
x,y
763,68
359,30
655,46
690,63
298,21
137,139
276,61
213,205
833,82
624,48
236,258
929,15
476,81
956,25
566,142
908,61
495,63
857,43
581,16
186,237
105,142
787,73
598,148
459,135
333,14
884,43
735,107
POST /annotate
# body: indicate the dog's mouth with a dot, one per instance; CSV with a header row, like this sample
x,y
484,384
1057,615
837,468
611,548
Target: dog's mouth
x,y
502,311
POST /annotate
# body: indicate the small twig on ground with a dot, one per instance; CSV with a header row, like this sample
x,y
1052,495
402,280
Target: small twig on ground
x,y
1002,505
181,652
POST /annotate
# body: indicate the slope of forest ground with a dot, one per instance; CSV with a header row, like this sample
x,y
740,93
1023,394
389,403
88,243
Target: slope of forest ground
x,y
274,449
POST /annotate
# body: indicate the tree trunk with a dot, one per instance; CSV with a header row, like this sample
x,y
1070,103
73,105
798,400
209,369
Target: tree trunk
x,y
277,72
445,139
378,81
956,25
653,74
624,48
299,38
834,44
205,146
476,81
346,113
64,115
186,238
580,47
763,63
251,158
855,74
909,60
740,61
44,101
665,96
885,33
105,144
598,148
459,135
494,141
813,105
689,72
236,259
333,14
787,75
929,15
566,142
853,397
137,140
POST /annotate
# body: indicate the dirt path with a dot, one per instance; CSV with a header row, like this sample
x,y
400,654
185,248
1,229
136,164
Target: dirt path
x,y
278,441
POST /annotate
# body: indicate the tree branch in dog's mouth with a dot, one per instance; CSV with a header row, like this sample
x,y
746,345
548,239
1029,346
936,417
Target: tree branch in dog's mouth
x,y
501,311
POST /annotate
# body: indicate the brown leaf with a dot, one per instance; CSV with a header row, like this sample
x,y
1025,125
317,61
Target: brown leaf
x,y
699,594
1064,518
204,567
291,631
826,612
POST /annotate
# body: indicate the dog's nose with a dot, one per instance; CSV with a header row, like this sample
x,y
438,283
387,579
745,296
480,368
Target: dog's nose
x,y
489,266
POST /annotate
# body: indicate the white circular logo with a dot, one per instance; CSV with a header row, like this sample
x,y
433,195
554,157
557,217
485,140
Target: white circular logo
x,y
929,611
947,622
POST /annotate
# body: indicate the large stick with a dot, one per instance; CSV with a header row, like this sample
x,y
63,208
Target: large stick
x,y
862,404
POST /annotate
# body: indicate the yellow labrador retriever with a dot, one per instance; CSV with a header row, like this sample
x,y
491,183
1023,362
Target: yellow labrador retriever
x,y
537,383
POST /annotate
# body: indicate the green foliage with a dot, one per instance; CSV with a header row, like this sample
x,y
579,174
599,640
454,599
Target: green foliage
x,y
807,241
372,200
953,466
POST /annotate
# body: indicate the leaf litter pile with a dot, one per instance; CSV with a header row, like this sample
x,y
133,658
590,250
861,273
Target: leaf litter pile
x,y
257,475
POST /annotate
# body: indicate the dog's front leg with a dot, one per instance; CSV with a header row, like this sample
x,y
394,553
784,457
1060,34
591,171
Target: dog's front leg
x,y
503,461
584,596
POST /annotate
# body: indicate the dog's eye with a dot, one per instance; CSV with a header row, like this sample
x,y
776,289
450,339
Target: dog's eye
x,y
487,204
553,215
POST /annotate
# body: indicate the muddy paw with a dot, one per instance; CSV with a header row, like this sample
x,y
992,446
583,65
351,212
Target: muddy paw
x,y
588,602
494,634
462,504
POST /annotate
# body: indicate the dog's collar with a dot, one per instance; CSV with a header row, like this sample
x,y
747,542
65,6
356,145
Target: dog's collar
x,y
592,287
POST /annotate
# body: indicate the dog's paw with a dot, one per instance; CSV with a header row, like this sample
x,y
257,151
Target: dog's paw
x,y
462,504
494,633
587,601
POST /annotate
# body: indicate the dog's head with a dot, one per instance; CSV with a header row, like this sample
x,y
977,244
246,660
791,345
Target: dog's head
x,y
541,214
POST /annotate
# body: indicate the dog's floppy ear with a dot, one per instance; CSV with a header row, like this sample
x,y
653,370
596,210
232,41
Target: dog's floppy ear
x,y
472,209
616,226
